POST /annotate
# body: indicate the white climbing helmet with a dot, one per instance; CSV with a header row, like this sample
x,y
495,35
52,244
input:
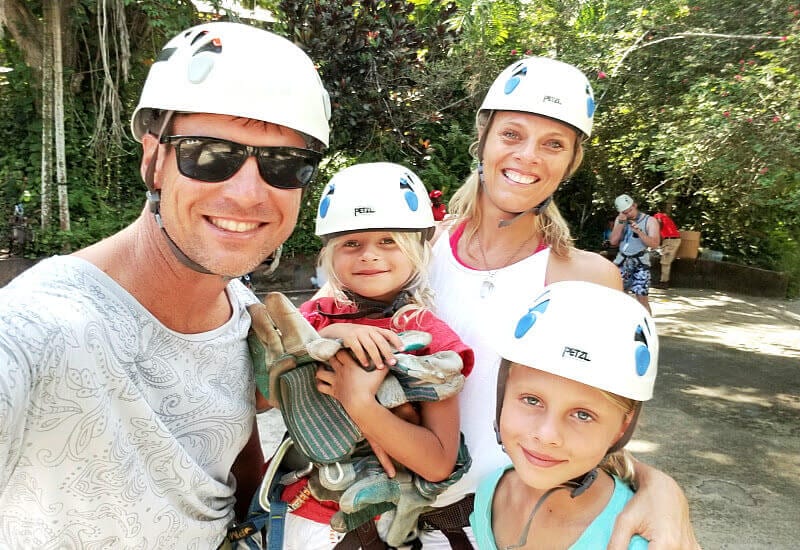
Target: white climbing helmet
x,y
547,87
588,333
238,70
623,202
377,195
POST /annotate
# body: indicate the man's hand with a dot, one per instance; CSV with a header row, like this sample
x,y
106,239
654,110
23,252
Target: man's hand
x,y
658,512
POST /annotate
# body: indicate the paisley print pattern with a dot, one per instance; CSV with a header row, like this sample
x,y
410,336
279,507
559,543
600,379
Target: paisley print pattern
x,y
115,431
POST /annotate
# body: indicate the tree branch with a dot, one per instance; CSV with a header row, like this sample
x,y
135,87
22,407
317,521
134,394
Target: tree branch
x,y
26,30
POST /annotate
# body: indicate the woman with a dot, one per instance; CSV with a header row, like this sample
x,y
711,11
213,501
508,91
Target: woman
x,y
504,239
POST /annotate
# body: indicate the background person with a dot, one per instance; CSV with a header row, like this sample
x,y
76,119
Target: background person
x,y
127,394
504,239
564,418
607,251
437,205
635,233
670,243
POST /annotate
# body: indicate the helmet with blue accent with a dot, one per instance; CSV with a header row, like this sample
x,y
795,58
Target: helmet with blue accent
x,y
589,333
374,196
547,87
584,332
238,70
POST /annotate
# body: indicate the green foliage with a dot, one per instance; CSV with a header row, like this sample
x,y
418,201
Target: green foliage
x,y
369,54
698,107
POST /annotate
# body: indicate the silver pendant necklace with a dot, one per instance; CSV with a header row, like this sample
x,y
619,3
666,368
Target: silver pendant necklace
x,y
487,286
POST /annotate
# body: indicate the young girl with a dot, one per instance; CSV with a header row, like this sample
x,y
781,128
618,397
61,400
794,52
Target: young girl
x,y
375,220
576,365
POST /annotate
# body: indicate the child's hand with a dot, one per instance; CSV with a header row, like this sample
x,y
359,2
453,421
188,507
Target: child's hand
x,y
384,458
369,345
351,385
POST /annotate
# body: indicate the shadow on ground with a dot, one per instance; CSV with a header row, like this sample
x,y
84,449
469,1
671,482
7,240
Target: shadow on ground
x,y
725,418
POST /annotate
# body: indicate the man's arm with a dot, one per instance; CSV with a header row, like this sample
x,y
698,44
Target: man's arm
x,y
249,470
616,233
650,233
658,512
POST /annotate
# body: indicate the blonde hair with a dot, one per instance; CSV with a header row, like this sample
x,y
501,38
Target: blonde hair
x,y
550,223
620,462
415,248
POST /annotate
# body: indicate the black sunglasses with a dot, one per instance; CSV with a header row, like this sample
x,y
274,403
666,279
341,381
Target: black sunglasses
x,y
213,160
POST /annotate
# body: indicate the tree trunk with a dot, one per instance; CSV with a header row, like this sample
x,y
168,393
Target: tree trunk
x,y
47,117
58,116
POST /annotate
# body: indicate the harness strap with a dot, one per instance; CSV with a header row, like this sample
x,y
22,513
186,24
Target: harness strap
x,y
365,537
637,255
366,307
277,517
451,520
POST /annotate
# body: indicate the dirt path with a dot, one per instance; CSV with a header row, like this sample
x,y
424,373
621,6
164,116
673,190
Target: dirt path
x,y
725,419
746,323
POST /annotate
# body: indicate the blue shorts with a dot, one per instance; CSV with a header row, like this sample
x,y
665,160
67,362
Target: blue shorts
x,y
635,276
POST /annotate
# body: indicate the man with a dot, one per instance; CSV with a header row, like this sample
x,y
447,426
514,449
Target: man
x,y
634,232
126,395
670,242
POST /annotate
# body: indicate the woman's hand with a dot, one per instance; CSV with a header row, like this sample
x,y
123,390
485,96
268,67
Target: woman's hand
x,y
658,512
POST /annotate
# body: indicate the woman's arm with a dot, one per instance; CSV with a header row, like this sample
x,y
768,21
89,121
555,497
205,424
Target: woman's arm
x,y
658,512
581,265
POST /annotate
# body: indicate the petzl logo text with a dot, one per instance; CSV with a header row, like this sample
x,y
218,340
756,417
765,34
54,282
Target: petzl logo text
x,y
576,353
363,210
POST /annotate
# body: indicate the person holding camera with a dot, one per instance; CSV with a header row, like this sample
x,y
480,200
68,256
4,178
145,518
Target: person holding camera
x,y
635,232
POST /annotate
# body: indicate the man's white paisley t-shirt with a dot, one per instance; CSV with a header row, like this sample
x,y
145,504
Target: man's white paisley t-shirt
x,y
115,432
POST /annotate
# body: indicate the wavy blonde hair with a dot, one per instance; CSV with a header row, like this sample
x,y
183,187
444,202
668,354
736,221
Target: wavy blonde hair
x,y
415,248
620,462
550,223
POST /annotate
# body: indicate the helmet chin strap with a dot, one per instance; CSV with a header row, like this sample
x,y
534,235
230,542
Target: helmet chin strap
x,y
578,486
535,210
154,202
154,198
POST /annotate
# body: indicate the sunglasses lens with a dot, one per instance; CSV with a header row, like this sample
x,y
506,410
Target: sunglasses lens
x,y
213,160
287,168
208,159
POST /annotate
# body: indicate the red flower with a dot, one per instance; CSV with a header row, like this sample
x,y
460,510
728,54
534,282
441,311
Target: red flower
x,y
776,118
513,52
601,75
726,114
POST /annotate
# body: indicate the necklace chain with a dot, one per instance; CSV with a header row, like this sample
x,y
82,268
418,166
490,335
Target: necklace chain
x,y
487,286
